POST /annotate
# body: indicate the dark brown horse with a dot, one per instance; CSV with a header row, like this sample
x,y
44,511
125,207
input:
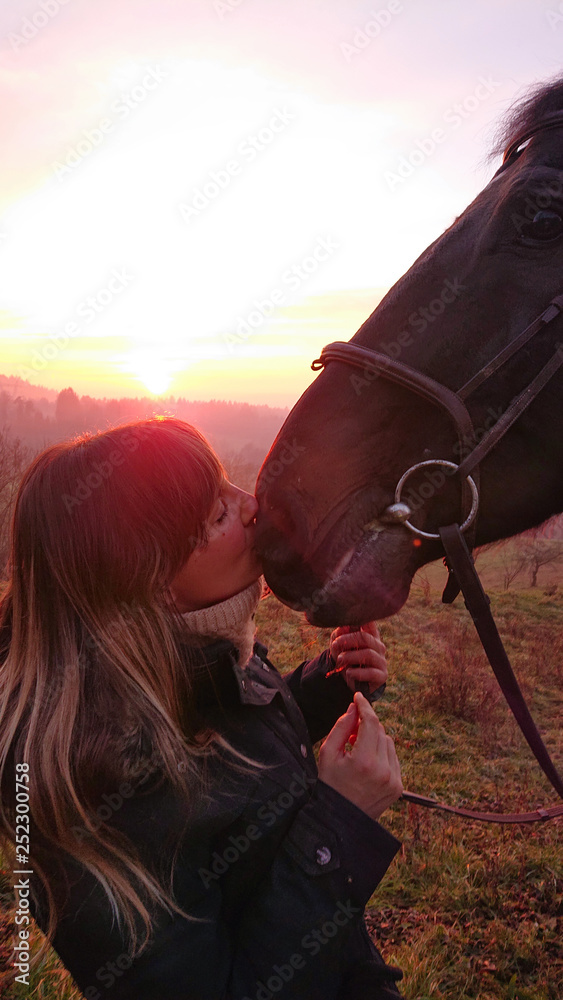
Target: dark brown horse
x,y
331,475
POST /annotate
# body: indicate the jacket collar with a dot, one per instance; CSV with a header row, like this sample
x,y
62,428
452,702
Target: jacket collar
x,y
219,680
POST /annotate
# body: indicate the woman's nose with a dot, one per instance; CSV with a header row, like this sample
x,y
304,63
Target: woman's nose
x,y
248,507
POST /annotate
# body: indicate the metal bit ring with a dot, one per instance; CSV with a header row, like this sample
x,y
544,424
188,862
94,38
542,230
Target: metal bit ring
x,y
450,465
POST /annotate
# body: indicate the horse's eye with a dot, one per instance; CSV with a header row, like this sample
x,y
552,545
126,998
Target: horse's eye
x,y
545,227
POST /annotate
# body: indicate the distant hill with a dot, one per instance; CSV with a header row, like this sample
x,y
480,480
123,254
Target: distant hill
x,y
241,433
551,529
16,386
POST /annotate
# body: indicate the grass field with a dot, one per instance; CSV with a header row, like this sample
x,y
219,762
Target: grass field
x,y
466,910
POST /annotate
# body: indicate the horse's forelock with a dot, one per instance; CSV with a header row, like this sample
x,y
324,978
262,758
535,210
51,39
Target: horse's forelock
x,y
539,103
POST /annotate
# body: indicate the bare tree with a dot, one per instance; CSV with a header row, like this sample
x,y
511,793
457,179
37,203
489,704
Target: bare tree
x,y
512,562
422,582
538,552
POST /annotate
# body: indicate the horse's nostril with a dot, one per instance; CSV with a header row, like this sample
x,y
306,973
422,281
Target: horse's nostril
x,y
286,523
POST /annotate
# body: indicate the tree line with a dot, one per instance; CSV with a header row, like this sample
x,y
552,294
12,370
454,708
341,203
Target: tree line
x,y
241,433
40,421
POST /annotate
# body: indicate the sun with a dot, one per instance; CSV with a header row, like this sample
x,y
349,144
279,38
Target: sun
x,y
157,384
155,373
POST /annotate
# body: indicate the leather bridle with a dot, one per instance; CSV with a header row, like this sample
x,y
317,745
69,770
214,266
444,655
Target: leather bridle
x,y
462,573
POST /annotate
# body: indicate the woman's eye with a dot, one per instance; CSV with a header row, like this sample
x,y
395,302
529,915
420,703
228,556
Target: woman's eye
x,y
223,513
545,227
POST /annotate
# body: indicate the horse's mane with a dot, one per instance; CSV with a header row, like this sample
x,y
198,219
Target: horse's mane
x,y
540,103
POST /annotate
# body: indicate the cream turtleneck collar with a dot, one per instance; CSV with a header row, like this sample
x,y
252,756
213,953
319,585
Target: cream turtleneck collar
x,y
231,619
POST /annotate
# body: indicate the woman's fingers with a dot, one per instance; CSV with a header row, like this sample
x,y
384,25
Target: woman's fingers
x,y
374,677
377,649
363,665
362,658
369,774
343,728
373,742
356,641
341,630
369,726
361,654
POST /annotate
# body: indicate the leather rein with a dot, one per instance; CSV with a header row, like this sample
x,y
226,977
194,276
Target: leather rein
x,y
462,573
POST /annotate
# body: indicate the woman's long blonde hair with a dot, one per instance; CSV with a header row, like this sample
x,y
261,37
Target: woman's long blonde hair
x,y
101,527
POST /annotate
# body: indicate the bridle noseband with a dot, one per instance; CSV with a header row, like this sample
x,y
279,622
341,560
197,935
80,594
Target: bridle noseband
x,y
373,362
462,574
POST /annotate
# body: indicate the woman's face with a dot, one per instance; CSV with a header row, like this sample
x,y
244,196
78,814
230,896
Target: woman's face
x,y
227,562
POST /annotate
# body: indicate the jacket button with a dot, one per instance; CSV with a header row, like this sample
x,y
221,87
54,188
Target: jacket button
x,y
243,685
323,855
303,749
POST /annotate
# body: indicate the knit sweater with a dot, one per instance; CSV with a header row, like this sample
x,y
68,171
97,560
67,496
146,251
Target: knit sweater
x,y
232,619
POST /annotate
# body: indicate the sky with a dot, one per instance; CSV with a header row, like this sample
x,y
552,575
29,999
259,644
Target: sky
x,y
197,195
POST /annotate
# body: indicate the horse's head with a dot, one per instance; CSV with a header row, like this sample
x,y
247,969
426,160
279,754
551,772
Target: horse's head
x,y
331,474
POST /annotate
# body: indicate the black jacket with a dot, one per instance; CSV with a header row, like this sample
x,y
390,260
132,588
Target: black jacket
x,y
276,865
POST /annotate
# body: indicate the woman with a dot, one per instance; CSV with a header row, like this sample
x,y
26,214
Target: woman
x,y
183,843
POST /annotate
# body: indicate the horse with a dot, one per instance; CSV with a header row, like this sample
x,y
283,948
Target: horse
x,y
376,454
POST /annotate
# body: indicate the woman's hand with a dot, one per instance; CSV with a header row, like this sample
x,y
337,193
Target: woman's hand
x,y
360,654
369,774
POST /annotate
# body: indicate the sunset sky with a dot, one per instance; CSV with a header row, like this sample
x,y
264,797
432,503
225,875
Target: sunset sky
x,y
196,195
